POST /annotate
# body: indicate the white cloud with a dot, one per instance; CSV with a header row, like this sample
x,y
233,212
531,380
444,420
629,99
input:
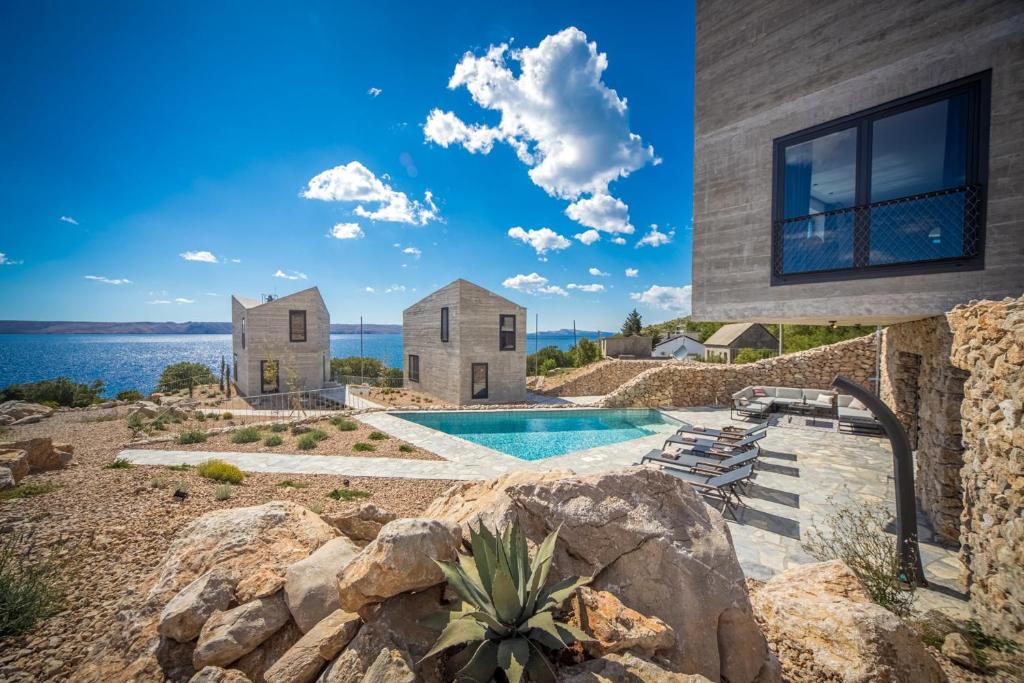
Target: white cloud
x,y
160,301
201,256
373,92
588,237
347,231
632,272
655,238
212,294
618,240
597,272
109,281
4,261
395,288
236,260
533,284
69,219
291,275
601,212
412,251
542,240
353,182
183,300
595,287
666,298
558,115
371,290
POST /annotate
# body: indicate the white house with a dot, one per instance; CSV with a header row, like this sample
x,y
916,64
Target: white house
x,y
680,344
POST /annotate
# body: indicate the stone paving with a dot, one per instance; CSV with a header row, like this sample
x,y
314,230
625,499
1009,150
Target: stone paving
x,y
802,472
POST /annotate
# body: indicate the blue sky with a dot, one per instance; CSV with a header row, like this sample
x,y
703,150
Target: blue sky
x,y
156,158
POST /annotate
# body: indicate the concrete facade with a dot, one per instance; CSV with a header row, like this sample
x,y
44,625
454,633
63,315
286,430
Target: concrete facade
x,y
265,329
445,367
633,346
768,69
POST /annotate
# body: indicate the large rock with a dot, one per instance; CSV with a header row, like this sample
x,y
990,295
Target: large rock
x,y
824,627
616,668
311,585
229,635
361,522
400,559
263,658
304,660
18,412
15,464
650,540
617,628
391,666
183,617
215,674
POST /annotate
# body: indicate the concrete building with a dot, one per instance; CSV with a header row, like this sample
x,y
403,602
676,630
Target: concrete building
x,y
680,344
621,346
727,340
856,162
465,344
280,344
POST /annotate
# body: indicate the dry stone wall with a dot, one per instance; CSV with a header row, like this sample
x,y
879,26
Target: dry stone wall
x,y
603,377
988,343
685,384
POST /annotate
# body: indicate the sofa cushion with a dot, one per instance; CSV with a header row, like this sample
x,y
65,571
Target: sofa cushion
x,y
787,401
856,404
789,392
758,392
843,400
854,415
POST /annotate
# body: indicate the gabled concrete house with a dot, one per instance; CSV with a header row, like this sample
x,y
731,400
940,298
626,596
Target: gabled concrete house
x,y
680,344
465,344
280,344
729,339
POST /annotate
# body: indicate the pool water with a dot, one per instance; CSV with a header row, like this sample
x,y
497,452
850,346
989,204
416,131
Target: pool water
x,y
539,434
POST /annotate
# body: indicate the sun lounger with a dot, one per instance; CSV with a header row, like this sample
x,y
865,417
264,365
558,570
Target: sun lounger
x,y
728,433
698,463
698,446
723,486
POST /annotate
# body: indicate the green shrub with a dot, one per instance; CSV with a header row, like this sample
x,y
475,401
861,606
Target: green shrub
x,y
309,440
183,375
348,494
200,417
55,392
135,423
27,491
292,484
752,355
183,467
129,395
378,436
223,492
118,464
317,508
218,470
344,424
246,435
506,618
158,483
191,436
29,589
227,415
355,366
363,447
855,533
273,440
279,427
405,448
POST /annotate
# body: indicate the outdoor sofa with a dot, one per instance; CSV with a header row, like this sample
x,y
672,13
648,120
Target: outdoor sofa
x,y
760,401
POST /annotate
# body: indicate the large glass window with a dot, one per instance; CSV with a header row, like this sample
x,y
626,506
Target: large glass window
x,y
269,377
478,373
414,368
444,324
297,326
507,332
898,185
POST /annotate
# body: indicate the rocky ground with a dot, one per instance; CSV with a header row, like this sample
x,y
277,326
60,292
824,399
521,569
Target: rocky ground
x,y
401,397
110,527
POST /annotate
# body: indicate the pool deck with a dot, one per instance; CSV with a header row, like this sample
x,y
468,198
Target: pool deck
x,y
802,471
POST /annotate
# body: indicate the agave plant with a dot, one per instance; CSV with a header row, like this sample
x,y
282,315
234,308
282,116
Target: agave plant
x,y
505,619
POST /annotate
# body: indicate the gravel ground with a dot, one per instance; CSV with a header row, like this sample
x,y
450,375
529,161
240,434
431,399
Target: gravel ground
x,y
110,527
337,443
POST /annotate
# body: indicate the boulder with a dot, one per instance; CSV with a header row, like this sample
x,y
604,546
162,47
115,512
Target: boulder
x,y
261,584
229,635
361,522
956,648
215,674
256,664
6,478
617,628
400,559
311,585
41,454
17,412
649,539
145,409
304,660
15,461
823,626
617,667
391,666
183,617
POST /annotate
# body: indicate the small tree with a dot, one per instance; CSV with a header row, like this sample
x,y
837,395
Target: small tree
x,y
633,325
222,373
584,353
184,376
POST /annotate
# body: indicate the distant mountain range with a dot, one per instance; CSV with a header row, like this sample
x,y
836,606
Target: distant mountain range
x,y
68,327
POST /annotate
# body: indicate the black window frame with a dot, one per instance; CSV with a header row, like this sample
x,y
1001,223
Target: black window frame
x,y
263,377
978,88
445,324
414,367
502,333
291,331
243,333
487,381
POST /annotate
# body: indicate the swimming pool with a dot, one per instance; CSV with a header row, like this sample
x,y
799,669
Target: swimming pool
x,y
539,434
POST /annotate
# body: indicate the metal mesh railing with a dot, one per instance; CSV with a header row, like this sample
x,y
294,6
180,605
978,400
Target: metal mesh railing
x,y
933,226
389,382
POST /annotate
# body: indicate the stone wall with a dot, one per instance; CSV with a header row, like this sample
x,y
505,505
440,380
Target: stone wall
x,y
925,392
598,379
988,343
696,384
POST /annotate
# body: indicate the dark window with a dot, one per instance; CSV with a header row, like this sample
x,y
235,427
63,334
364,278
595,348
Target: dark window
x,y
414,368
297,326
243,333
479,380
897,189
507,334
234,360
269,377
444,324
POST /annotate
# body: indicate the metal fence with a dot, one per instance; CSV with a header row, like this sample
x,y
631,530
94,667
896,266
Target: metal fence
x,y
388,382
